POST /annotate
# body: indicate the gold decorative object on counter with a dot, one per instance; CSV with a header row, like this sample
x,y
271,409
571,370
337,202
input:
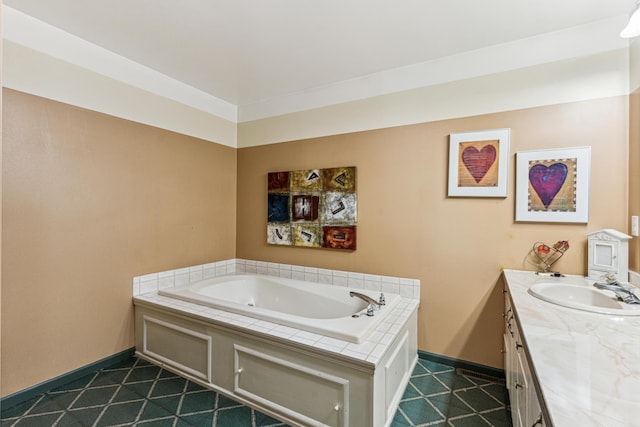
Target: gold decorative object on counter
x,y
544,256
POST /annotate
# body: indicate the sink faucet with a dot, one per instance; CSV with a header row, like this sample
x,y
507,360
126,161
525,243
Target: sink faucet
x,y
624,294
372,303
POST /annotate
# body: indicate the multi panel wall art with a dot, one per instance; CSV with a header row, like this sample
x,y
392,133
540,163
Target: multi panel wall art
x,y
314,208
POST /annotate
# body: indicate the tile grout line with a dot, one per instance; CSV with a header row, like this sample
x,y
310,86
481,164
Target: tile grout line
x,y
216,405
107,406
26,413
141,411
65,411
180,403
492,396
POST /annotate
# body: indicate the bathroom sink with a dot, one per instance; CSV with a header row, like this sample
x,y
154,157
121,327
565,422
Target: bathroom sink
x,y
583,297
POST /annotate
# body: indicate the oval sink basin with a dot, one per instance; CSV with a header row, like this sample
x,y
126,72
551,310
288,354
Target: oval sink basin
x,y
583,297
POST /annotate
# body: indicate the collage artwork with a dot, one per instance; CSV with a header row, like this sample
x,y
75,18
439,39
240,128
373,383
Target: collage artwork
x,y
314,208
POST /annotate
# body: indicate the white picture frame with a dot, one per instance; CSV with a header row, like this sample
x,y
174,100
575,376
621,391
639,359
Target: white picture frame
x,y
479,163
541,193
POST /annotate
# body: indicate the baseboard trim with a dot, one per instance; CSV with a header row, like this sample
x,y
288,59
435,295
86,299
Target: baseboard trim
x,y
462,364
31,392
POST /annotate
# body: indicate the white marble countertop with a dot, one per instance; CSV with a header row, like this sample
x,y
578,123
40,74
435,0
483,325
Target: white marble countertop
x,y
587,365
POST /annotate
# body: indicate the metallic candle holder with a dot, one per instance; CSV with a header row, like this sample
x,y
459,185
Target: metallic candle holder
x,y
544,256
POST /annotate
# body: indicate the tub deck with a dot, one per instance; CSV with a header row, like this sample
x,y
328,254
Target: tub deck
x,y
367,352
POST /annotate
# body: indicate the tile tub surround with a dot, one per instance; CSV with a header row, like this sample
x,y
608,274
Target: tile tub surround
x,y
586,365
369,351
406,288
366,379
145,292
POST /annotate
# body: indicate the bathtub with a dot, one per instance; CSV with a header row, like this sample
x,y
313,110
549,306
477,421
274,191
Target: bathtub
x,y
323,309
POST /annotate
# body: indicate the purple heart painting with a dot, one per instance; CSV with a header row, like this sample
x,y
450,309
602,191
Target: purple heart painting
x,y
477,161
547,181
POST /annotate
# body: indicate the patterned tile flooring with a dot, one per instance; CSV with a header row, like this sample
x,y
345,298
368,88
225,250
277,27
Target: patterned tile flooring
x,y
137,393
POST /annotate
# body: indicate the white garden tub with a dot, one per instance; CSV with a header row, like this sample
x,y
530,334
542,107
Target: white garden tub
x,y
322,309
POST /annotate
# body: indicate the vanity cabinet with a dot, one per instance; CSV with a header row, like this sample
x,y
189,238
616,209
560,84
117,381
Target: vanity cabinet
x,y
525,407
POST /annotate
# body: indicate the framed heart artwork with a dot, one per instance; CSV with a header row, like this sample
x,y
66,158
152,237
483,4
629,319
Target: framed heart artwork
x,y
478,163
553,185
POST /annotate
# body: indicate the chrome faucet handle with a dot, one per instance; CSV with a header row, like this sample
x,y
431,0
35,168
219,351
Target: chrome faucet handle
x,y
382,300
610,278
370,310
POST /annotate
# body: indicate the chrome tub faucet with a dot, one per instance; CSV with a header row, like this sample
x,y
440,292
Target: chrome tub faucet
x,y
373,304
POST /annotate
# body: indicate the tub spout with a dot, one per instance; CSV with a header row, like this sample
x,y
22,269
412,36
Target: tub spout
x,y
372,303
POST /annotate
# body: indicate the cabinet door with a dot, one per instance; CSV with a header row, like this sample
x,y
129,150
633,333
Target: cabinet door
x,y
508,366
533,411
508,342
309,395
181,347
520,386
533,406
525,407
604,255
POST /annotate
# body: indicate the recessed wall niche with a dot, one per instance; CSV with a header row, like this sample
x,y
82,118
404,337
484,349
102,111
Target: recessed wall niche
x,y
314,208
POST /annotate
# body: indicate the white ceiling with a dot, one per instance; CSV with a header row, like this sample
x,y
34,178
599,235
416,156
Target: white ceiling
x,y
249,51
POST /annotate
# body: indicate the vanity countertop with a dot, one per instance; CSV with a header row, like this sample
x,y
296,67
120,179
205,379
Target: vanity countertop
x,y
587,365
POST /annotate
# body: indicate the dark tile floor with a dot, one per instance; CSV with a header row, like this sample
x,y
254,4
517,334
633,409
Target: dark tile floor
x,y
140,394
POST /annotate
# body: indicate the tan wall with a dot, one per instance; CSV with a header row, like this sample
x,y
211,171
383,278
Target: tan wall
x,y
634,175
89,201
456,246
76,85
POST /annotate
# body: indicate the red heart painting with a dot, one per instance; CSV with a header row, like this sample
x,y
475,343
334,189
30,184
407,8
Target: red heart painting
x,y
548,180
477,161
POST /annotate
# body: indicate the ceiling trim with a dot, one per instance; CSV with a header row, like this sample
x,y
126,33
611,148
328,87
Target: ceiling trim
x,y
585,40
30,32
36,73
597,37
603,75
